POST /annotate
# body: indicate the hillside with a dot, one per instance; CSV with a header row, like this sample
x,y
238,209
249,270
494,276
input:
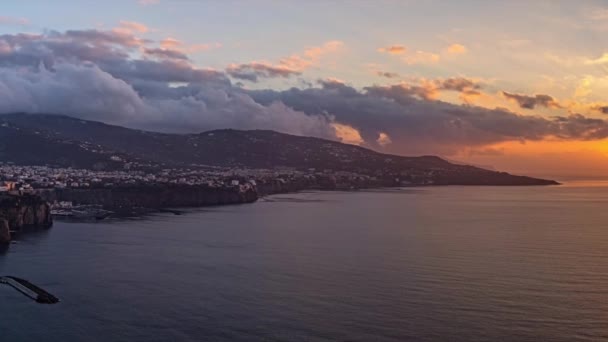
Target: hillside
x,y
36,139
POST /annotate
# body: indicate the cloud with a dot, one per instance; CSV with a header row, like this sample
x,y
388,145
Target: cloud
x,y
460,84
109,50
456,49
176,45
347,134
170,43
405,93
131,27
88,92
427,89
531,102
94,37
603,59
311,56
583,89
287,67
600,108
387,74
418,124
421,57
316,52
393,49
4,20
383,139
165,54
253,71
120,78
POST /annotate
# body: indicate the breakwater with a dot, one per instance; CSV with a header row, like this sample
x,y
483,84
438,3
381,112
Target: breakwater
x,y
29,290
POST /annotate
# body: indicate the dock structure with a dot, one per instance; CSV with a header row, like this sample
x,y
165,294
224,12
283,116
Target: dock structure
x,y
29,290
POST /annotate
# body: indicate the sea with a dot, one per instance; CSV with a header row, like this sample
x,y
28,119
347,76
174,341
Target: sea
x,y
447,263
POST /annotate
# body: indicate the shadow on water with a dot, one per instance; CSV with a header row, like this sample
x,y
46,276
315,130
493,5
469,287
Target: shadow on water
x,y
30,235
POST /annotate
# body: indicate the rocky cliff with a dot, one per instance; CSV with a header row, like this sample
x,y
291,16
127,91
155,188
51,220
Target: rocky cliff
x,y
22,211
155,197
320,182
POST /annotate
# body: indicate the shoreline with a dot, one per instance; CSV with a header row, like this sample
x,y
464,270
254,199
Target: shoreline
x,y
141,212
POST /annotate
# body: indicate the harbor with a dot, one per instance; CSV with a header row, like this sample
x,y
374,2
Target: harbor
x,y
67,210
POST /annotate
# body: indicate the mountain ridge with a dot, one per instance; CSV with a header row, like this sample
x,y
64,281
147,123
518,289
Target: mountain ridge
x,y
71,142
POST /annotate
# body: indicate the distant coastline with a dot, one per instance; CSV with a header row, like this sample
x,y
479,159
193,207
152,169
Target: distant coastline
x,y
24,202
135,200
84,193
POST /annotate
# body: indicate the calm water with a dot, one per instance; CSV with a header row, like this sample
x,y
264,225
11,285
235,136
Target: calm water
x,y
433,264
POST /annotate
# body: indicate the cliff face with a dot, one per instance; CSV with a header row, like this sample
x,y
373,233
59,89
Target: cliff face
x,y
5,231
22,211
155,196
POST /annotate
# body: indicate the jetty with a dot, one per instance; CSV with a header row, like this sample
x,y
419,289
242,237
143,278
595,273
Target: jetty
x,y
29,290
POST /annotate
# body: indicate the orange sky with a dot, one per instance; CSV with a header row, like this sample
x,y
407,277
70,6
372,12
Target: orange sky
x,y
551,158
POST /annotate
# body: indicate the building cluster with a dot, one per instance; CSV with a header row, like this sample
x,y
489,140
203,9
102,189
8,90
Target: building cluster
x,y
30,178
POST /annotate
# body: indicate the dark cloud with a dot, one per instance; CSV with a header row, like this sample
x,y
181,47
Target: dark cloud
x,y
403,93
530,102
166,54
91,74
387,74
162,71
458,84
466,87
420,126
255,70
602,109
107,49
337,87
427,90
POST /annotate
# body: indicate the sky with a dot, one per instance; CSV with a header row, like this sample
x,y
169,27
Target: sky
x,y
518,86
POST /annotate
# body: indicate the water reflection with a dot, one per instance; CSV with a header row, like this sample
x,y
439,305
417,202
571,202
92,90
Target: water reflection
x,y
439,263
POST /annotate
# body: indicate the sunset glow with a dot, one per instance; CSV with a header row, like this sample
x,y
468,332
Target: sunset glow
x,y
518,79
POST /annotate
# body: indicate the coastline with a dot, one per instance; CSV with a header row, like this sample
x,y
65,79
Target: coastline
x,y
97,204
19,212
139,202
169,199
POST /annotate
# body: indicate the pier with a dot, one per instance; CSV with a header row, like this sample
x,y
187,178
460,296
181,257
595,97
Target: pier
x,y
29,290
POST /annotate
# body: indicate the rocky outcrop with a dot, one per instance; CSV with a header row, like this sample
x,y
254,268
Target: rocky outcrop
x,y
321,182
19,211
5,232
155,197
